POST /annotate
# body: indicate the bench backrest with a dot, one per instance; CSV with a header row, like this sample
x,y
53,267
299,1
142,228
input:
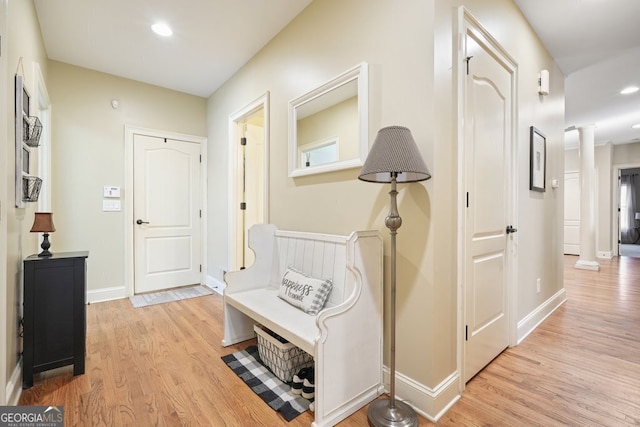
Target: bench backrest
x,y
323,256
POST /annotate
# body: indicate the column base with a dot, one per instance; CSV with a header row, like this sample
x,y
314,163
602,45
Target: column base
x,y
588,265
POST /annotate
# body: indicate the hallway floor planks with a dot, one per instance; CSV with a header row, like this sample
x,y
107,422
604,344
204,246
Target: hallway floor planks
x,y
161,365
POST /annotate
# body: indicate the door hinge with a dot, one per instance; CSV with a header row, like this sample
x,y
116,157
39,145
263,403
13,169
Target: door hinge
x,y
200,158
200,268
243,141
200,213
243,206
466,332
467,199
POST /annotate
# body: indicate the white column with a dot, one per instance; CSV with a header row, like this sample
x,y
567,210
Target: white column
x,y
586,152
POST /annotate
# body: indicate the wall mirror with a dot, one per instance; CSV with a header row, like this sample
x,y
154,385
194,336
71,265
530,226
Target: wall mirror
x,y
328,126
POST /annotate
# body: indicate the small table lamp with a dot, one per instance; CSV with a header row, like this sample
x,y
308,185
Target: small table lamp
x,y
393,158
43,223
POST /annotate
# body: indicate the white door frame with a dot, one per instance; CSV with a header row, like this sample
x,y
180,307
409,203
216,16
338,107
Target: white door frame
x,y
468,23
615,218
43,107
129,252
262,102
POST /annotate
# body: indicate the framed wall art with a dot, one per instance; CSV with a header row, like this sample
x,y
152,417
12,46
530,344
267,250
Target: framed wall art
x,y
538,161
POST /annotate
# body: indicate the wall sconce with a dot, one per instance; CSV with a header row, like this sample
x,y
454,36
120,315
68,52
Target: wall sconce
x,y
543,82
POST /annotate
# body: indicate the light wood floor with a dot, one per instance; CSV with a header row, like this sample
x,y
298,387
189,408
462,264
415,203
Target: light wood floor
x,y
161,365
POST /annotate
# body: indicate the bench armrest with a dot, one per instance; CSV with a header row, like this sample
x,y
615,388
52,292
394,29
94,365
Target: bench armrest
x,y
256,276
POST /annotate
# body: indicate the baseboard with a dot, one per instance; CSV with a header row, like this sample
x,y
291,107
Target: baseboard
x,y
537,316
106,294
14,385
215,284
605,254
430,403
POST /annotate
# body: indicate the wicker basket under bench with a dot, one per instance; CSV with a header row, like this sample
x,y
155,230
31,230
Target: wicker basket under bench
x,y
345,338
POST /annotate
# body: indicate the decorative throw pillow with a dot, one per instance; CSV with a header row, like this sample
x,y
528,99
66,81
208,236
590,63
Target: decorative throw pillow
x,y
304,292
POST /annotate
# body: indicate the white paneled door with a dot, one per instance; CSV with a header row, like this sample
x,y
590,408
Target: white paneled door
x,y
166,213
572,213
487,147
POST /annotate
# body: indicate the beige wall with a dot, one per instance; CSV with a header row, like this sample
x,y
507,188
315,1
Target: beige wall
x,y
89,153
408,46
23,41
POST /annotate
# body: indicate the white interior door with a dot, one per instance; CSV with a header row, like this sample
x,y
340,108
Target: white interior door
x,y
167,212
488,145
572,213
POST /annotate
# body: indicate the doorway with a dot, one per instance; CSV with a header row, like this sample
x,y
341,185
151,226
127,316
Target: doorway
x,y
629,212
248,177
165,210
487,150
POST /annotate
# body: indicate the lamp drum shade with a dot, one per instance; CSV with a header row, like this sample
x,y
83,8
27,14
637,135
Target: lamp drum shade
x,y
43,223
394,151
637,215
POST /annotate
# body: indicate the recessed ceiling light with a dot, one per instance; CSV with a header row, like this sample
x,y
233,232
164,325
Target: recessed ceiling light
x,y
628,90
636,126
162,29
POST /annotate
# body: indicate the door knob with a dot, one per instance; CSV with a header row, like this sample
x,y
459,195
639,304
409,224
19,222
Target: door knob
x,y
141,222
510,229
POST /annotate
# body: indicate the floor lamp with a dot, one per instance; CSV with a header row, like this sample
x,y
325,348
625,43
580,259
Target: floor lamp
x,y
393,158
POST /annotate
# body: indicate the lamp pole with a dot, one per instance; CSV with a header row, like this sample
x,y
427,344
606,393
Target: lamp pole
x,y
389,412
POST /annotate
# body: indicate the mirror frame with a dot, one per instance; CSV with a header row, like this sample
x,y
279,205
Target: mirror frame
x,y
360,73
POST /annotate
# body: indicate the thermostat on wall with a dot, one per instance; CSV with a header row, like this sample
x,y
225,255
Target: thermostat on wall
x,y
111,191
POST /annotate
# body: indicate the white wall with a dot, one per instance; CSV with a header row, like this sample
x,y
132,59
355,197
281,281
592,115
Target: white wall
x,y
409,46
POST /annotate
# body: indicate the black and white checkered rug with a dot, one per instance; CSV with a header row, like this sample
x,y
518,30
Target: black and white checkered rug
x,y
246,364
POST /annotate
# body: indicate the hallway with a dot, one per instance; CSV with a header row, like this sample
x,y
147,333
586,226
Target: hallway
x,y
581,367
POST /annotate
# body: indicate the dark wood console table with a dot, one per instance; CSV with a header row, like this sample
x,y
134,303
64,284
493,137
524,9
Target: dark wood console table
x,y
54,313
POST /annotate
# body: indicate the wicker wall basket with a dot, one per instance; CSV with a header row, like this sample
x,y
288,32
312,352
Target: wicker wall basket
x,y
31,188
283,359
32,131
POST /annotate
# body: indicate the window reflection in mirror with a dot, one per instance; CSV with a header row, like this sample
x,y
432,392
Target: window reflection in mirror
x,y
328,126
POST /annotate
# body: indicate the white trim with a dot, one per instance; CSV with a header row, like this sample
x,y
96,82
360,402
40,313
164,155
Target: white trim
x,y
604,254
216,285
431,403
537,316
262,102
129,253
467,22
43,111
14,385
615,226
106,294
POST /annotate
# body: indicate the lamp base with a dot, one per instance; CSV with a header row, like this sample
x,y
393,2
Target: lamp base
x,y
380,414
45,246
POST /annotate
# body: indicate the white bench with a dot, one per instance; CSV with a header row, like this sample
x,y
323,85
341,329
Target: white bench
x,y
345,338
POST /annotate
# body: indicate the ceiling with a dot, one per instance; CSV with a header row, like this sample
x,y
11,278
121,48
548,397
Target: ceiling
x,y
596,43
211,39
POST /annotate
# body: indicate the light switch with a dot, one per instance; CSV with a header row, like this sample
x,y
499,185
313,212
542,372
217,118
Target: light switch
x,y
111,205
111,191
